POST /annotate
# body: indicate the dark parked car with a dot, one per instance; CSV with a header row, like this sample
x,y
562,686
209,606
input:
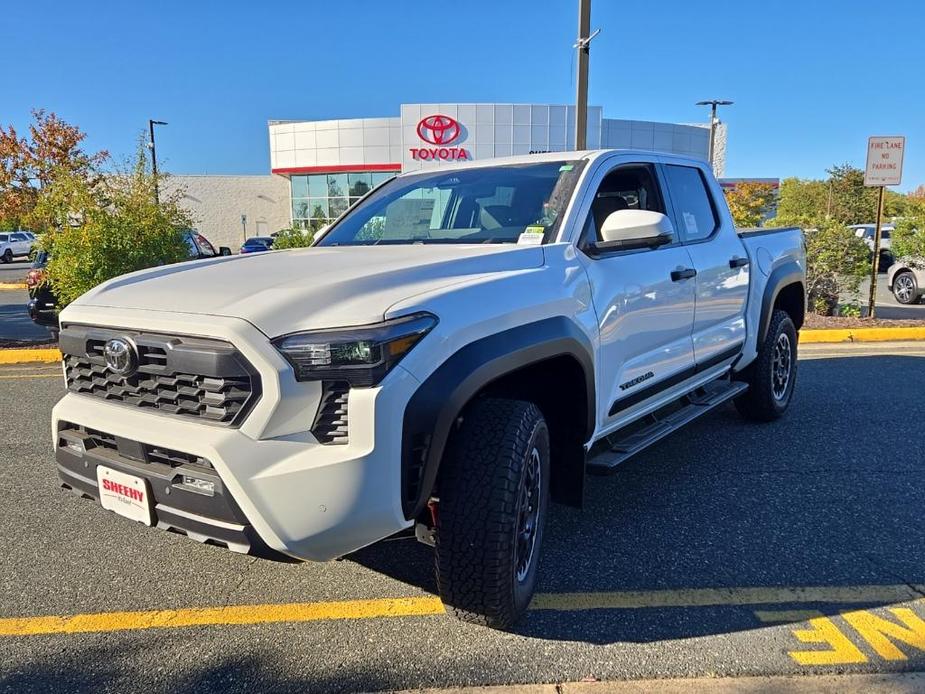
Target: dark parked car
x,y
42,304
257,244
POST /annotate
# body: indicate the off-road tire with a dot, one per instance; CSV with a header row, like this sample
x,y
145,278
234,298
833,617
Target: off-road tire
x,y
759,402
483,477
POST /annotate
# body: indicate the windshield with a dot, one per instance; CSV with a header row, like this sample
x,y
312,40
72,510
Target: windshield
x,y
481,205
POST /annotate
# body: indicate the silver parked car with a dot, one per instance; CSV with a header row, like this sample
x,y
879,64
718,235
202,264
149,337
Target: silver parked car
x,y
906,279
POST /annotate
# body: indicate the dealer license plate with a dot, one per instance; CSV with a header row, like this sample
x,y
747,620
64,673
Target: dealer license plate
x,y
125,494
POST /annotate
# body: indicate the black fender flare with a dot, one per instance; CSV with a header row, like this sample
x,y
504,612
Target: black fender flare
x,y
435,406
782,276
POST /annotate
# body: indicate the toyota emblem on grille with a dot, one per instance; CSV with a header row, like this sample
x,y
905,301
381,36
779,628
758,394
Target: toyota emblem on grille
x,y
120,356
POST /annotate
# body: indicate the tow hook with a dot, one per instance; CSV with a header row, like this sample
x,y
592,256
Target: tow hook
x,y
427,533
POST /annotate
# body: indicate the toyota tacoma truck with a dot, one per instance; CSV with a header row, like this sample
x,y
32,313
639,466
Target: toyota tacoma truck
x,y
461,347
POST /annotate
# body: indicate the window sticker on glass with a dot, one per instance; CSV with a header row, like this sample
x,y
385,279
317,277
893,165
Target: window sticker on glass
x,y
690,221
532,235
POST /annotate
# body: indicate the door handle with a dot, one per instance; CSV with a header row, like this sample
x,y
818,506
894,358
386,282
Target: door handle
x,y
683,274
736,262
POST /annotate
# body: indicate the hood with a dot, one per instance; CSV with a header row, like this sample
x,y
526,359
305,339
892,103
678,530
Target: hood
x,y
283,291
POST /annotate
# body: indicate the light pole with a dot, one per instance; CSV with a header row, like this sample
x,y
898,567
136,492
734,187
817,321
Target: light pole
x,y
583,45
151,124
713,103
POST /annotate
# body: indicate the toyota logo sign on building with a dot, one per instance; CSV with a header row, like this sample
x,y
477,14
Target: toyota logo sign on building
x,y
441,131
438,130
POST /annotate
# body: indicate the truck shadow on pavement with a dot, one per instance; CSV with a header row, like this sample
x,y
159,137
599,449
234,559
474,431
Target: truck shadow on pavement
x,y
828,496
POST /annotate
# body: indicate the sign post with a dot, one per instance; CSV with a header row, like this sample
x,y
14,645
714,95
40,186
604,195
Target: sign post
x,y
884,168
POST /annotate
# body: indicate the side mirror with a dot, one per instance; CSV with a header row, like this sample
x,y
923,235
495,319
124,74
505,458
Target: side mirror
x,y
633,229
224,250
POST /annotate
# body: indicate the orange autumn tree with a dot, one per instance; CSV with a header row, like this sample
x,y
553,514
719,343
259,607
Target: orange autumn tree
x,y
31,163
750,202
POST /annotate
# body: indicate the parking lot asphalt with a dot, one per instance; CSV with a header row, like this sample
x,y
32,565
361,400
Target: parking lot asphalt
x,y
15,323
730,548
15,271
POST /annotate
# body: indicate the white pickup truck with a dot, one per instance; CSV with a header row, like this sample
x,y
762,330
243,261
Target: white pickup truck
x,y
461,346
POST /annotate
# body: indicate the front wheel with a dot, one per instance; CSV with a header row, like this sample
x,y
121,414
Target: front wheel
x,y
7,256
493,490
905,289
772,375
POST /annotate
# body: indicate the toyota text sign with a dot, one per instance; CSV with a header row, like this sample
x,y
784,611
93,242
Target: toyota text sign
x,y
884,161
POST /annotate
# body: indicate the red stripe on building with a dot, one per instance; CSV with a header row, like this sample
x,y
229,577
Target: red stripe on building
x,y
336,168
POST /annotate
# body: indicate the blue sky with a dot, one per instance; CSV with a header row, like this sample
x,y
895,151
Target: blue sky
x,y
811,80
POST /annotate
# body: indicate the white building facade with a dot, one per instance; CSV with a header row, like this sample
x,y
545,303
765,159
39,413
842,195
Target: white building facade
x,y
331,163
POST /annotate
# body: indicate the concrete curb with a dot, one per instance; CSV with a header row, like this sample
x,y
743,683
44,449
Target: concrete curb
x,y
886,683
862,335
849,335
26,356
12,285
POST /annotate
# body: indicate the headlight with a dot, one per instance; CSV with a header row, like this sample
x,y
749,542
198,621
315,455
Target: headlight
x,y
362,355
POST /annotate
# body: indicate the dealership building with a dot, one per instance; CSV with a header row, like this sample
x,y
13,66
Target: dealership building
x,y
331,163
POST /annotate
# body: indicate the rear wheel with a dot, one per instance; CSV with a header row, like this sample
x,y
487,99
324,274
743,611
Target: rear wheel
x,y
494,490
7,256
905,288
771,377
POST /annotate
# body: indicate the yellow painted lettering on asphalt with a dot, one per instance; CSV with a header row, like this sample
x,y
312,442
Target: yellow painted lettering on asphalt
x,y
822,630
877,631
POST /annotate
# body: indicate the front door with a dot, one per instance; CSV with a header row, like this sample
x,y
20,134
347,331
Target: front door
x,y
645,313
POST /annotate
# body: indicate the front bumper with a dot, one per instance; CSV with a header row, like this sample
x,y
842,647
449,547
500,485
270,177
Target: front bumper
x,y
284,489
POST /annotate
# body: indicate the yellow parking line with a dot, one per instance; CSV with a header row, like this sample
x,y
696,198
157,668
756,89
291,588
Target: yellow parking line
x,y
240,614
57,374
428,605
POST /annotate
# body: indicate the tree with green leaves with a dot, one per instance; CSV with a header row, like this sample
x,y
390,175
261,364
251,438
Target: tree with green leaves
x,y
108,227
293,237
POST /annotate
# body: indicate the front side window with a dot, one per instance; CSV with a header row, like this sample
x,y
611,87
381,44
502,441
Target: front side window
x,y
626,188
693,208
481,205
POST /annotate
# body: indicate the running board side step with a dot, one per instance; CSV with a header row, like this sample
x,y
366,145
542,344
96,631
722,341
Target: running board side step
x,y
656,427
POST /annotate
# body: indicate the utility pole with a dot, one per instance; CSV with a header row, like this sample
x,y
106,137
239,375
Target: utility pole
x,y
713,103
151,124
583,46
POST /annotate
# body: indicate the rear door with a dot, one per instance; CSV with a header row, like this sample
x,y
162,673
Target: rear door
x,y
20,243
645,315
720,259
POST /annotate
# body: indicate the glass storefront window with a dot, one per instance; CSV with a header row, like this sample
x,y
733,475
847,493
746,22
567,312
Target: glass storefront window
x,y
300,208
318,208
318,186
337,185
317,199
359,184
381,176
299,186
337,206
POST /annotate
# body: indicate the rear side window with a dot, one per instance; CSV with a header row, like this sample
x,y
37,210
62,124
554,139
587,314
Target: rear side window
x,y
694,213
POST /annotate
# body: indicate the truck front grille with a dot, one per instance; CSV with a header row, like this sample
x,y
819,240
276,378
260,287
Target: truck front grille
x,y
204,379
